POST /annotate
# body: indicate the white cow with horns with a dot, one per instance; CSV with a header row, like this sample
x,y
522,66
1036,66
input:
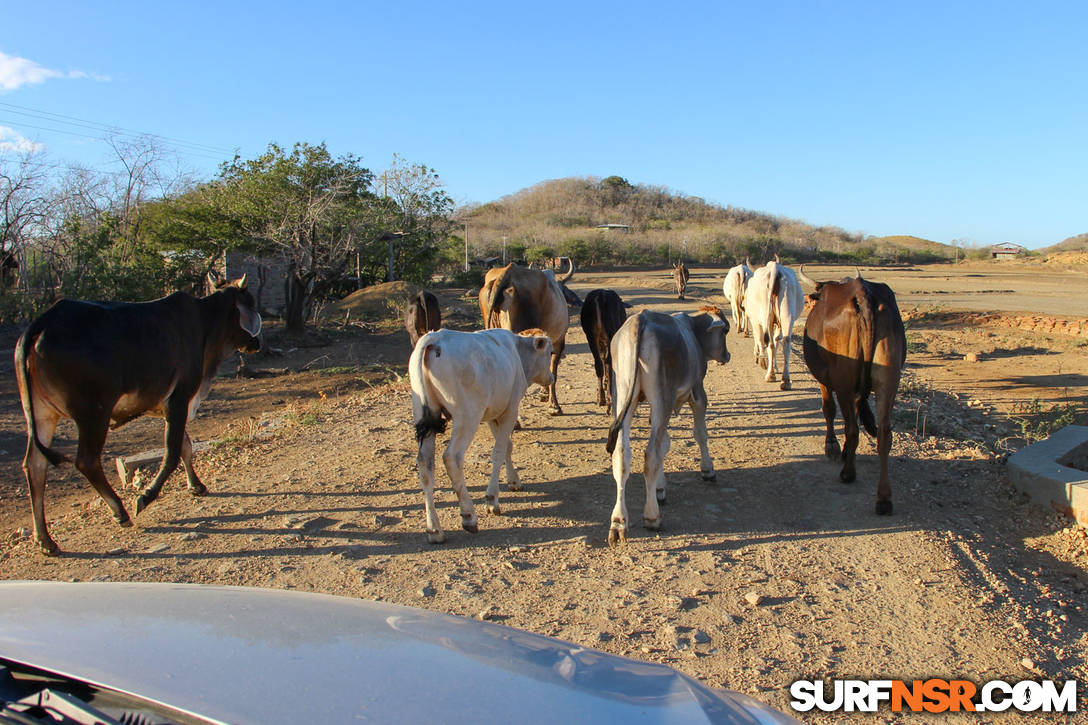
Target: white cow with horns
x,y
773,302
469,378
734,287
661,359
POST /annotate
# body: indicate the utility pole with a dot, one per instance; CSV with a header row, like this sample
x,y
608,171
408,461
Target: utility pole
x,y
466,246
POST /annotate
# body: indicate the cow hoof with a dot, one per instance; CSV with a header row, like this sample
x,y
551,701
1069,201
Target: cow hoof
x,y
832,450
556,411
617,536
884,508
471,528
49,548
436,537
660,493
494,509
544,398
652,524
125,522
198,490
514,485
517,425
785,385
710,476
848,476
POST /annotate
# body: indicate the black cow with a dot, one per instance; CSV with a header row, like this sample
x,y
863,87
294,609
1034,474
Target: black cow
x,y
603,312
103,363
855,344
422,316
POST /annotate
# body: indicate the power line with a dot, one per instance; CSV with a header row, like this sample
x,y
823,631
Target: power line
x,y
186,152
190,147
75,121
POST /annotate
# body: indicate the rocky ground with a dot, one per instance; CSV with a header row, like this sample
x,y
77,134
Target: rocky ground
x,y
774,573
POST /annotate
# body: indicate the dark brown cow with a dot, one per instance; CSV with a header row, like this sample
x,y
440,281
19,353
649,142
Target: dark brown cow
x,y
854,343
603,312
422,316
520,299
103,363
680,275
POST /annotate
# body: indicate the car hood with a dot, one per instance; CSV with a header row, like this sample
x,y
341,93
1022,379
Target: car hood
x,y
243,655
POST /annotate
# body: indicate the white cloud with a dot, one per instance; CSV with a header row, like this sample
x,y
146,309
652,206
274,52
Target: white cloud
x,y
16,72
12,140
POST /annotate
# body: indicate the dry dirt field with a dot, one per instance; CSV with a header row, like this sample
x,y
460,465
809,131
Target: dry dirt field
x,y
313,487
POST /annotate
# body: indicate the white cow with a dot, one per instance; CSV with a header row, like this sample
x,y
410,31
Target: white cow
x,y
773,302
661,359
471,377
736,283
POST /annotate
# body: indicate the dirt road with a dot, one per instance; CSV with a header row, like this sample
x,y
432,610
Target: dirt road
x,y
965,580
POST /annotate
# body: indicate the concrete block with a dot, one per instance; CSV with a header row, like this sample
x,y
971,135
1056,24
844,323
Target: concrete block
x,y
1035,470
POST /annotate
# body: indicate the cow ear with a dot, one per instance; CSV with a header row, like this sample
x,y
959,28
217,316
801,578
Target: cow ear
x,y
248,319
716,322
540,343
815,296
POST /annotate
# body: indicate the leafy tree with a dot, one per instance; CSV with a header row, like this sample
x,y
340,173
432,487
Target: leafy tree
x,y
415,205
306,206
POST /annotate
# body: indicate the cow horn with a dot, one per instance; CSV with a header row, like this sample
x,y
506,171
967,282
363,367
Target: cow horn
x,y
857,271
241,283
747,262
776,259
570,273
808,279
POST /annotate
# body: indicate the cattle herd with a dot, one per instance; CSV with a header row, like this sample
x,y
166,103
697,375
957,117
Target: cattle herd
x,y
103,364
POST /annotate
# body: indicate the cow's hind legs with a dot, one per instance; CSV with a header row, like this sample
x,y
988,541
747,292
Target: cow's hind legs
x,y
848,474
425,469
831,443
657,447
621,471
35,465
92,438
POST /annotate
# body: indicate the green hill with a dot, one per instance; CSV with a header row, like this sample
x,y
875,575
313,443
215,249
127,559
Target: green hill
x,y
611,221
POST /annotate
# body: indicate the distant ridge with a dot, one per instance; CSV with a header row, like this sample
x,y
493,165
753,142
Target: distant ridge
x,y
1078,243
611,220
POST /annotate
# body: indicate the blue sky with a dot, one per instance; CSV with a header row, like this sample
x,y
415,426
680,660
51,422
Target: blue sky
x,y
945,120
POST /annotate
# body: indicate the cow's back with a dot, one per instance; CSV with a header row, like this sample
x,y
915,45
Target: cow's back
x,y
448,368
118,347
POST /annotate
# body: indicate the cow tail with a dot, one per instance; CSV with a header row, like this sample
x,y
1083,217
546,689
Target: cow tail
x,y
430,420
772,306
22,351
621,413
866,322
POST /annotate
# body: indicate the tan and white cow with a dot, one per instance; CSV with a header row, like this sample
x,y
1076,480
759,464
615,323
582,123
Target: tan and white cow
x,y
661,359
773,302
734,287
470,378
518,299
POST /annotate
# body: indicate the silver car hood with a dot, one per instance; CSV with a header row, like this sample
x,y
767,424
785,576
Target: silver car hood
x,y
241,655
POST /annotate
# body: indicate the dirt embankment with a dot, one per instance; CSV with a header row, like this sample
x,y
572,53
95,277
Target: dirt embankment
x,y
1045,324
